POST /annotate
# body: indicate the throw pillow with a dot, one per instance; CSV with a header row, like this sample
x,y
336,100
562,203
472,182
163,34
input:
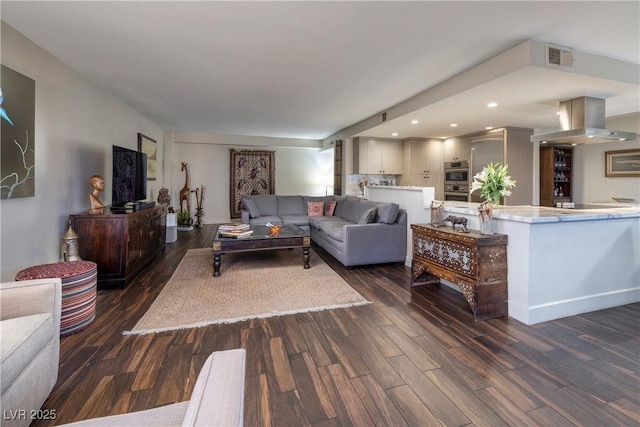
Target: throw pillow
x,y
329,208
387,213
315,208
368,216
251,206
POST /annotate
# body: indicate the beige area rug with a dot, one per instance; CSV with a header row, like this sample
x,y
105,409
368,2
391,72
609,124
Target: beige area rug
x,y
251,285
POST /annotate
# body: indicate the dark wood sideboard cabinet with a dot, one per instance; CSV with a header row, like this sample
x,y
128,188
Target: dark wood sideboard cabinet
x,y
121,244
475,262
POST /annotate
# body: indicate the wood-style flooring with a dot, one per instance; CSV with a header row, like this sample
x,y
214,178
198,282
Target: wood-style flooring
x,y
413,357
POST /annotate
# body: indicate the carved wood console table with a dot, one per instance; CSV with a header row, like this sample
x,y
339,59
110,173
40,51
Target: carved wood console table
x,y
475,262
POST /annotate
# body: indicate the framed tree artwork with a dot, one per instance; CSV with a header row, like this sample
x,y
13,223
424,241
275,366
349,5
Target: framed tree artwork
x,y
17,149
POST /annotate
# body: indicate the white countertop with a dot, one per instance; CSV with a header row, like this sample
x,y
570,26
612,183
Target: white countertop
x,y
540,214
395,187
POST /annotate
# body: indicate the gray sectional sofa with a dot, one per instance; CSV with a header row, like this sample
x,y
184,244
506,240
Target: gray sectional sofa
x,y
358,232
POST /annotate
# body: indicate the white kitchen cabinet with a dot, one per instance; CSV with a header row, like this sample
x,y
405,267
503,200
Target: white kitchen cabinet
x,y
423,157
456,149
377,156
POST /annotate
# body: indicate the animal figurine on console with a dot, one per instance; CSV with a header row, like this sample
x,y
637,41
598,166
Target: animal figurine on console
x,y
455,220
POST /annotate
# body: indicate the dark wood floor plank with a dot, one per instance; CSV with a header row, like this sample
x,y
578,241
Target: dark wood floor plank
x,y
581,370
412,408
384,373
467,374
503,405
281,368
311,391
409,347
317,344
379,339
465,400
151,362
293,337
380,408
547,416
352,411
433,398
259,413
627,408
348,356
584,409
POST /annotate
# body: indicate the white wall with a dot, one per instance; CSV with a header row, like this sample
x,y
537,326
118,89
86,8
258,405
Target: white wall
x,y
298,170
76,125
590,184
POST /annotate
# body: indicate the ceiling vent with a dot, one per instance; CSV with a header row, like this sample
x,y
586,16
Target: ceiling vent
x,y
559,57
382,117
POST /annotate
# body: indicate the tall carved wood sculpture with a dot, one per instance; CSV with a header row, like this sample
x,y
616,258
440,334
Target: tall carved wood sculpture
x,y
184,191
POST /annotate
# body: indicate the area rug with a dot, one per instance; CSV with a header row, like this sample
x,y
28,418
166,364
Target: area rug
x,y
251,285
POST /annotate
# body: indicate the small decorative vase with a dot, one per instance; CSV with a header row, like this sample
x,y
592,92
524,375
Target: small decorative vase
x,y
485,213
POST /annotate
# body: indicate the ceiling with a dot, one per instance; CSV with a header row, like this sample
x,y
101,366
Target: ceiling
x,y
310,69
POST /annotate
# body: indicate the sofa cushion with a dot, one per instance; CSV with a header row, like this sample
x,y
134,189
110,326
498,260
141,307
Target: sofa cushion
x,y
267,204
315,208
299,220
327,223
317,221
346,207
263,220
368,216
362,207
21,340
251,206
387,213
329,208
337,233
291,205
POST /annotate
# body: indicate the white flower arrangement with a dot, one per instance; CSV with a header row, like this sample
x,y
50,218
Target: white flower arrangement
x,y
494,181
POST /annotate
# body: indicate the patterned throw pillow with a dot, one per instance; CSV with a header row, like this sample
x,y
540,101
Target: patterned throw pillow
x,y
330,207
315,208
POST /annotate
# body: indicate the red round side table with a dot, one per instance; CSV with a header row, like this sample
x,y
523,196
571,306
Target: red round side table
x,y
79,280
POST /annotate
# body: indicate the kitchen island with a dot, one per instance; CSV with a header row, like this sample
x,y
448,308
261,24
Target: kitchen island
x,y
563,262
411,199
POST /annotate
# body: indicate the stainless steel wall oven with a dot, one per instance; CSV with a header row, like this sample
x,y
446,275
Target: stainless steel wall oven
x,y
456,181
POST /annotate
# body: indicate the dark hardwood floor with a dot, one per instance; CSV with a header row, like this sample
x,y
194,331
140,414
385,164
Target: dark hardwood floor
x,y
410,358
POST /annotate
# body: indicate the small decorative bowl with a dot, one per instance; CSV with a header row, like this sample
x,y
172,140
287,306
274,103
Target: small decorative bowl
x,y
274,230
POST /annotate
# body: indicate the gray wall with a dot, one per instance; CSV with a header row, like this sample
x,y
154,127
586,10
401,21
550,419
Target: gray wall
x,y
76,125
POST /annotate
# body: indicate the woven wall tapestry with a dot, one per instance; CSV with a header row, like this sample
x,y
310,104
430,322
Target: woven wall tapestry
x,y
252,172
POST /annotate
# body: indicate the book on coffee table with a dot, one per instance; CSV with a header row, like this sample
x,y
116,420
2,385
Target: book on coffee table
x,y
236,234
233,226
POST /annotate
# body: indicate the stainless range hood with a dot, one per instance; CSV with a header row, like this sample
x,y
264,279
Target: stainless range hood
x,y
582,121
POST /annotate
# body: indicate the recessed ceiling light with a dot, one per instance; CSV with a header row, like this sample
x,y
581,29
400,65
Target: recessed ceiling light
x,y
394,134
414,122
488,127
492,105
543,142
453,125
574,144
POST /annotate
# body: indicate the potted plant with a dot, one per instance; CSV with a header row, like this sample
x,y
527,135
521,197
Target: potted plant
x,y
184,219
493,182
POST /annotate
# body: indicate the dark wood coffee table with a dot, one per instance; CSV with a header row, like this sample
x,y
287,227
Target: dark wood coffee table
x,y
290,236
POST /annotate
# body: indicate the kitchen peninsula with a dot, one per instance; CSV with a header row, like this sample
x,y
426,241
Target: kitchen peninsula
x,y
563,262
